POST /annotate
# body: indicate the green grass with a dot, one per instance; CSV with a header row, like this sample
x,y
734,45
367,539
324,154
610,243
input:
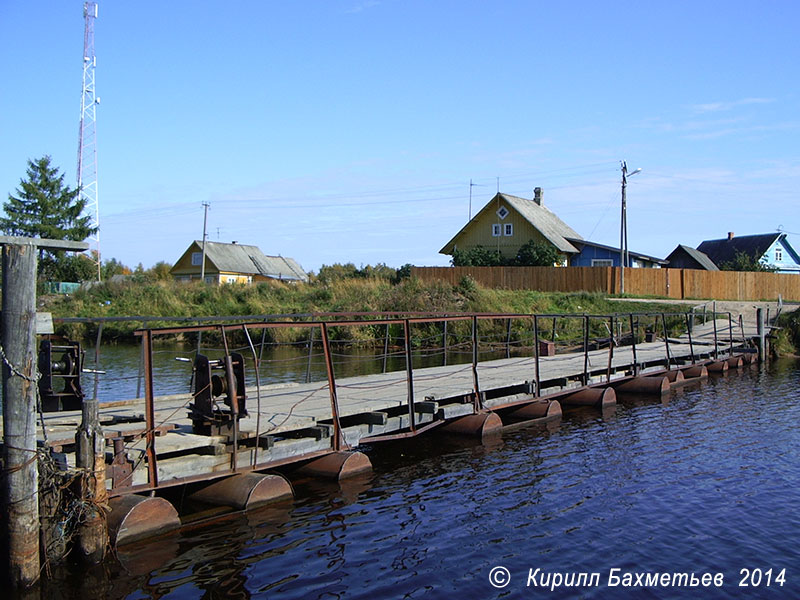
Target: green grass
x,y
372,294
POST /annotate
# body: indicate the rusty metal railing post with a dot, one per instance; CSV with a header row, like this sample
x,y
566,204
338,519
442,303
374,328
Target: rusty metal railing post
x,y
229,376
508,337
476,388
149,404
610,348
261,346
730,333
337,426
689,333
666,339
634,336
140,376
741,328
536,354
386,348
444,342
409,375
586,350
716,354
310,354
257,364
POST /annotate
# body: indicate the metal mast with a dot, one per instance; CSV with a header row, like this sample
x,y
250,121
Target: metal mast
x,y
87,137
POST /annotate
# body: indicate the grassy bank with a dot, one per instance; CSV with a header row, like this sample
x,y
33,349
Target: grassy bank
x,y
362,294
788,337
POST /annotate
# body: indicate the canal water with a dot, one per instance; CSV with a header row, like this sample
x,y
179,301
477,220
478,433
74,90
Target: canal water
x,y
704,482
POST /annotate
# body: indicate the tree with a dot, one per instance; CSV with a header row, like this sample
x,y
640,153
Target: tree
x,y
743,261
46,208
537,254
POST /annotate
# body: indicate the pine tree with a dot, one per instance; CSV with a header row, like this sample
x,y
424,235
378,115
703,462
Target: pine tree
x,y
46,208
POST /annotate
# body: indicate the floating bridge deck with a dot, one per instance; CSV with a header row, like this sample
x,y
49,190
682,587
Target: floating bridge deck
x,y
157,446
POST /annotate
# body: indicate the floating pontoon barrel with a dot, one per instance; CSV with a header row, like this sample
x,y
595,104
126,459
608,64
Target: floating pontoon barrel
x,y
135,517
735,362
337,465
658,384
750,358
717,367
245,491
591,397
480,425
539,409
695,372
675,376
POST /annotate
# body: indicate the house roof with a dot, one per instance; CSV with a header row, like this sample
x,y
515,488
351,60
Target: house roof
x,y
699,257
538,215
639,255
249,260
725,250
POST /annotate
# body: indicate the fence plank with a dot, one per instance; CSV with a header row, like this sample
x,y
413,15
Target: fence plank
x,y
670,283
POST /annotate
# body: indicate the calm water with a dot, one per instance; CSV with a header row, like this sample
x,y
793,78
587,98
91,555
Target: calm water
x,y
121,376
704,482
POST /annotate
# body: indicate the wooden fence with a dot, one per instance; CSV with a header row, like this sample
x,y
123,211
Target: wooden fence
x,y
670,283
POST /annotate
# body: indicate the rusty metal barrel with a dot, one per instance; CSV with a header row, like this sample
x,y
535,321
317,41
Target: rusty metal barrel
x,y
245,491
480,425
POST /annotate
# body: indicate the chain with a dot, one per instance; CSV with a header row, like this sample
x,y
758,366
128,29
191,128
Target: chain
x,y
15,371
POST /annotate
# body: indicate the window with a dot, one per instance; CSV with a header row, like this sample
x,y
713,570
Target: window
x,y
496,230
197,259
602,262
778,254
509,229
502,212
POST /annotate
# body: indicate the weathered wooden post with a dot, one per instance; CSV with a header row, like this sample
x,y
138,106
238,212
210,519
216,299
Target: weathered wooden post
x,y
21,481
762,337
90,456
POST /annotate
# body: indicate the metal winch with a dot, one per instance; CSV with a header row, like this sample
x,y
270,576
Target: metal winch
x,y
219,394
60,365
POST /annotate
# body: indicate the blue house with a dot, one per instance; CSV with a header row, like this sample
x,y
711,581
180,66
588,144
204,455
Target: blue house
x,y
771,249
592,254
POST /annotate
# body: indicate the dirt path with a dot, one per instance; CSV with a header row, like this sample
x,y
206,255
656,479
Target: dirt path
x,y
746,309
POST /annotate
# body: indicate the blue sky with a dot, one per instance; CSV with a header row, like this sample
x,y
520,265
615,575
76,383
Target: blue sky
x,y
348,131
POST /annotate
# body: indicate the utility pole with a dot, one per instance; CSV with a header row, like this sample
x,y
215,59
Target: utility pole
x,y
623,228
203,259
87,133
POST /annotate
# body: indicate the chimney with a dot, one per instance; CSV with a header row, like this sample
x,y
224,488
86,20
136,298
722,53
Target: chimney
x,y
537,195
730,235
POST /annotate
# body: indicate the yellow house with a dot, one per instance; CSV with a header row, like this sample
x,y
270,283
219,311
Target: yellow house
x,y
234,263
508,222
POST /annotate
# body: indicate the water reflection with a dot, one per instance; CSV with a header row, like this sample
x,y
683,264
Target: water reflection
x,y
703,483
121,376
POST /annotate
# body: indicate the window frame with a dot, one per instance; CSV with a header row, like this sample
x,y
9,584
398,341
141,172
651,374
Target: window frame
x,y
508,229
602,262
497,230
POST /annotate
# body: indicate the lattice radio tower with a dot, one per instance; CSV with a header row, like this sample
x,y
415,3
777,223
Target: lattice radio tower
x,y
87,136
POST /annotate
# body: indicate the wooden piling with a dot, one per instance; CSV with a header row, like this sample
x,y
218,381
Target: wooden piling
x,y
21,486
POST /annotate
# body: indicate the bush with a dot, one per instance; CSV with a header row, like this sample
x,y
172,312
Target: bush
x,y
477,257
537,254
